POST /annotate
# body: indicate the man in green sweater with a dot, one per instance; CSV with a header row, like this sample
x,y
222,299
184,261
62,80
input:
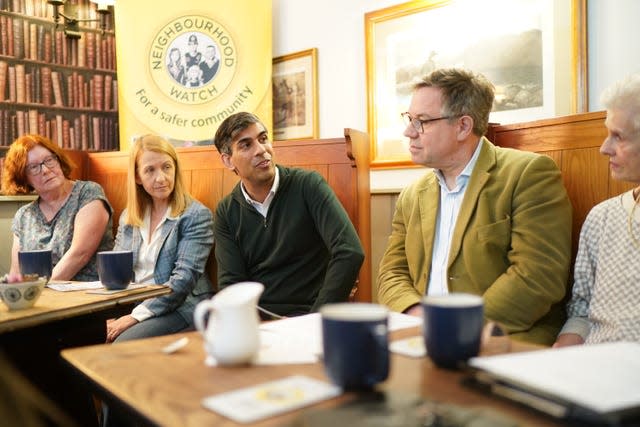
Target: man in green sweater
x,y
282,227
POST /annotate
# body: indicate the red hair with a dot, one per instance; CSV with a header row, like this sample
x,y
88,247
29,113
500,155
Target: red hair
x,y
14,175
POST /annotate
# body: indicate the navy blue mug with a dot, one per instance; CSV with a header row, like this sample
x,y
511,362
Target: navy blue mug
x,y
452,328
36,262
115,269
355,342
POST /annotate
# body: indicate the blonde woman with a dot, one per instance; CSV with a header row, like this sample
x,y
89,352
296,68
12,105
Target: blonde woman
x,y
170,234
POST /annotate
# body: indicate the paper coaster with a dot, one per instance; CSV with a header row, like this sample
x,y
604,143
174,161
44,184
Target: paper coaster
x,y
265,400
413,347
115,291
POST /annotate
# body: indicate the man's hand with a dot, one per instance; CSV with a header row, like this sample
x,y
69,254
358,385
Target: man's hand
x,y
414,310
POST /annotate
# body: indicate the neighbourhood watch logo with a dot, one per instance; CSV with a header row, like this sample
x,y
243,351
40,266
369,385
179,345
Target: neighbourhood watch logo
x,y
192,59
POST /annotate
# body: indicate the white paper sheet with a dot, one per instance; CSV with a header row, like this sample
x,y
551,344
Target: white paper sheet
x,y
602,377
399,321
91,287
115,291
73,286
299,339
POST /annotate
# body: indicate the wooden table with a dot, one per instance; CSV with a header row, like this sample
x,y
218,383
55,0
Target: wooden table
x,y
33,338
166,390
54,306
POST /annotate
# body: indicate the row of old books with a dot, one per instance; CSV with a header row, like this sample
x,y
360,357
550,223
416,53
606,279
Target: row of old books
x,y
36,41
45,86
72,131
84,9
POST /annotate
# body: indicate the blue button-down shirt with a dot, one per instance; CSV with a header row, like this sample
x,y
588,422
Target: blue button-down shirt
x,y
450,202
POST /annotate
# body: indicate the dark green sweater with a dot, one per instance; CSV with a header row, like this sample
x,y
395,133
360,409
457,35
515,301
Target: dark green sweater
x,y
306,251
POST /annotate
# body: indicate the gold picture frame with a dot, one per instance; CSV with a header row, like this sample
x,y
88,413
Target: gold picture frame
x,y
295,96
410,39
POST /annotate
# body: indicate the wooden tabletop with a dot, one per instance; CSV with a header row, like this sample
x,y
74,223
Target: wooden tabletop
x,y
166,390
55,305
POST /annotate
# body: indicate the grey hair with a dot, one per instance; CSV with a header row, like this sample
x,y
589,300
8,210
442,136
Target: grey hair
x,y
624,95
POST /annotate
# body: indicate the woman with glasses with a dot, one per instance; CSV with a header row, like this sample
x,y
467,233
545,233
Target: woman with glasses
x,y
72,218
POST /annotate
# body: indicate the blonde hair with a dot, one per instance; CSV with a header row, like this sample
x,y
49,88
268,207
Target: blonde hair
x,y
138,200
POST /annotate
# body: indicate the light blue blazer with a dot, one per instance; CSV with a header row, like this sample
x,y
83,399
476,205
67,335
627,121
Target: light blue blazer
x,y
186,243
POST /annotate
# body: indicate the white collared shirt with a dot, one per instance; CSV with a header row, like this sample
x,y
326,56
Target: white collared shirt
x,y
263,208
450,202
144,266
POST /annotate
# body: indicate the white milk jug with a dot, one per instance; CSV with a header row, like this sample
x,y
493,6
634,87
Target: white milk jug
x,y
231,334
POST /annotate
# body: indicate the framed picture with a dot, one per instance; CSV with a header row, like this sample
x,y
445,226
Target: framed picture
x,y
533,51
295,96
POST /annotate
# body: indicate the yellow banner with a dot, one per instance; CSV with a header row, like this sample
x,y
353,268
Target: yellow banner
x,y
183,67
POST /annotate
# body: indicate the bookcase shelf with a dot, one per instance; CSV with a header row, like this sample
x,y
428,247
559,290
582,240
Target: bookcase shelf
x,y
63,88
29,105
40,10
60,66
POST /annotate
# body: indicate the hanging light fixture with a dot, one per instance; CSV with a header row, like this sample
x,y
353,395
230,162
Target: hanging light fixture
x,y
71,23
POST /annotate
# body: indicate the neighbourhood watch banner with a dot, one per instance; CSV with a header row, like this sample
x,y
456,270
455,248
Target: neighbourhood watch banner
x,y
183,67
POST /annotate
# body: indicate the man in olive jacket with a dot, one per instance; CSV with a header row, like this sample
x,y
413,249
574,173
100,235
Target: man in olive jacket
x,y
485,220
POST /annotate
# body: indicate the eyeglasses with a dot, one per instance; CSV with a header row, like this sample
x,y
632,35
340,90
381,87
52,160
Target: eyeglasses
x,y
36,168
418,124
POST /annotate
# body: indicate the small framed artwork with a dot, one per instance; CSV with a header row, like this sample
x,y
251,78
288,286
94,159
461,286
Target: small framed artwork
x,y
295,96
533,51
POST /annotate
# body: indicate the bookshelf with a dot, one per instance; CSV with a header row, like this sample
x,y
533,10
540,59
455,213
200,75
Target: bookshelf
x,y
56,86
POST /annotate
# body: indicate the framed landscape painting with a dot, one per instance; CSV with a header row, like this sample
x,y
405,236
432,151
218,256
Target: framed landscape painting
x,y
533,51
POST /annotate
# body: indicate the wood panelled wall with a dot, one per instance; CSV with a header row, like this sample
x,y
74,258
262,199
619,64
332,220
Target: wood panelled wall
x,y
343,162
573,142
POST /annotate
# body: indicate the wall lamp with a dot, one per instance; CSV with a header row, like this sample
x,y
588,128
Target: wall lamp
x,y
70,18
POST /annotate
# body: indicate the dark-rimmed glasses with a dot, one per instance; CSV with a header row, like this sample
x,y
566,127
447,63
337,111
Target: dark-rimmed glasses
x,y
34,169
418,124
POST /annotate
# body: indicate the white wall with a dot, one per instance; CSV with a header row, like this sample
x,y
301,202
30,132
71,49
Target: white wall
x,y
613,32
336,28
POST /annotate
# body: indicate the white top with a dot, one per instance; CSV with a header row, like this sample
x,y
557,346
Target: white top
x,y
145,264
263,207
